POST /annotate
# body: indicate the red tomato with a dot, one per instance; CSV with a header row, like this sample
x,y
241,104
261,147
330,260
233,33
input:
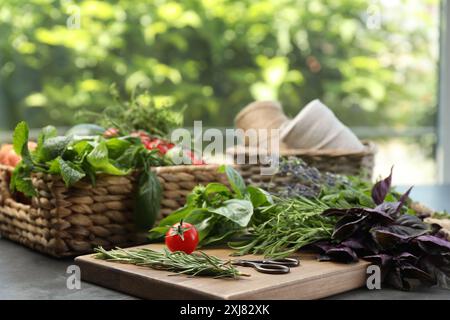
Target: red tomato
x,y
182,237
111,133
9,157
194,159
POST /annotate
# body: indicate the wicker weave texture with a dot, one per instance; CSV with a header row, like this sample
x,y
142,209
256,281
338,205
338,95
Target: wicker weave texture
x,y
71,221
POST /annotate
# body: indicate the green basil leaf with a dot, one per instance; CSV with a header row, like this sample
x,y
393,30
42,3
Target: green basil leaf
x,y
236,210
223,230
216,187
117,147
235,180
98,158
259,197
203,221
148,202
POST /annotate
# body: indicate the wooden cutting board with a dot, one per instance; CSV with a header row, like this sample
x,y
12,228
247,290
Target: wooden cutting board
x,y
311,280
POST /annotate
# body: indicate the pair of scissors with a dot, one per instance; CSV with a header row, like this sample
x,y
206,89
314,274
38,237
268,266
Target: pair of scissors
x,y
275,266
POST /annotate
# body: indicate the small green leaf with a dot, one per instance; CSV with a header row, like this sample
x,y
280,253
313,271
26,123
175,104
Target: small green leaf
x,y
216,187
70,173
235,180
21,180
53,148
236,210
259,197
20,137
99,160
117,147
160,231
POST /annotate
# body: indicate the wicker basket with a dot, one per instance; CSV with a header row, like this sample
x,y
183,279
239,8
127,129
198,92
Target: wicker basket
x,y
334,161
68,222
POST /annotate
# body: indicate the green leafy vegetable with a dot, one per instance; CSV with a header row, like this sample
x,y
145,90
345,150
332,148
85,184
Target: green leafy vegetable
x,y
148,201
69,172
216,211
100,161
76,157
236,210
235,180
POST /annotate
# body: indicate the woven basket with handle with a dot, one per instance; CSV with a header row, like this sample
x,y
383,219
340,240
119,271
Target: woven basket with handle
x,y
73,221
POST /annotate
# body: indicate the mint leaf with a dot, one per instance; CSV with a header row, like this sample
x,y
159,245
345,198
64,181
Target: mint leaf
x,y
99,160
20,137
21,180
46,133
69,172
53,148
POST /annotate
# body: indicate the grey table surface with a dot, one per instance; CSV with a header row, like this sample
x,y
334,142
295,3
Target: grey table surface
x,y
25,274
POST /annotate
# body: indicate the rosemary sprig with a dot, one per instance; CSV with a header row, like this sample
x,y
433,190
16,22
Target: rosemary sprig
x,y
289,225
200,264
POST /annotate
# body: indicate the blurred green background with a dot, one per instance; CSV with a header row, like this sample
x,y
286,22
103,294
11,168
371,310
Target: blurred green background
x,y
374,62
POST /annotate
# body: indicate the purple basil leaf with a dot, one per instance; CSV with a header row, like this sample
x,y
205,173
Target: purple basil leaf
x,y
382,260
343,212
433,245
395,279
387,239
403,199
439,269
406,257
379,214
354,243
412,222
323,246
411,272
381,189
342,254
347,226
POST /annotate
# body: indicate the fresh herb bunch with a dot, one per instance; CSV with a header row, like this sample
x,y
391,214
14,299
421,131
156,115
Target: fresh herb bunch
x,y
407,249
200,264
140,113
281,229
75,157
217,211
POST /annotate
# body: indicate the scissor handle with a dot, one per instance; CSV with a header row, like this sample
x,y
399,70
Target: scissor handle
x,y
272,268
269,268
288,262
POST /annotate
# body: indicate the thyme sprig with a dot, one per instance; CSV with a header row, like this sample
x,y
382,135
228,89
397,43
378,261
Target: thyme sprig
x,y
198,264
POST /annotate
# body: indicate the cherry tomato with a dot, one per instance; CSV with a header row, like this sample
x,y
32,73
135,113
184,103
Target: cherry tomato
x,y
194,159
111,133
182,237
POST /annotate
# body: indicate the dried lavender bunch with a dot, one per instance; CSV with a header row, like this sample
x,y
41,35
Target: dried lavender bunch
x,y
304,180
